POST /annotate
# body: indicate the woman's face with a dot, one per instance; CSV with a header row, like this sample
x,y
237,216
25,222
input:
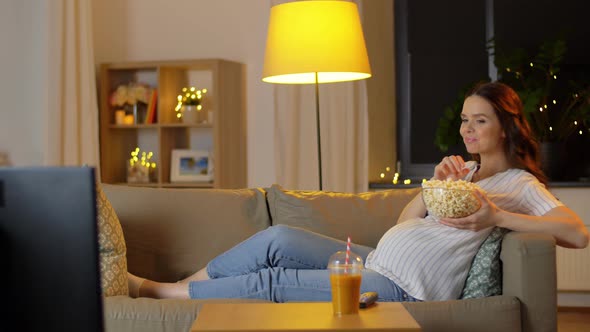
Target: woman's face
x,y
480,127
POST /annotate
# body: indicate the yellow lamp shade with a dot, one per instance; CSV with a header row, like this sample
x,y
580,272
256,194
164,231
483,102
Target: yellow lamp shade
x,y
308,37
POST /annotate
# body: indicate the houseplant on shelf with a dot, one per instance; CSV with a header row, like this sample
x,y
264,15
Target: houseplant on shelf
x,y
189,104
556,106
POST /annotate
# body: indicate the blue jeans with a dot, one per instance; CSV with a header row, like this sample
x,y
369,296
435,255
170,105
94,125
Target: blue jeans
x,y
283,264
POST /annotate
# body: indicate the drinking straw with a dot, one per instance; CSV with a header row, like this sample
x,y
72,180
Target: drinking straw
x,y
347,251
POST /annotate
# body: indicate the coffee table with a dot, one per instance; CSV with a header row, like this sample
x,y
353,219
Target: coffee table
x,y
301,316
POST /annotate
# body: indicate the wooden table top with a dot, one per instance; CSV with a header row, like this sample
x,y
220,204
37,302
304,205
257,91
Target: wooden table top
x,y
301,316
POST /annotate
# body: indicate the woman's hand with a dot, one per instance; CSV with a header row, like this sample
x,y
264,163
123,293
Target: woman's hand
x,y
451,167
482,218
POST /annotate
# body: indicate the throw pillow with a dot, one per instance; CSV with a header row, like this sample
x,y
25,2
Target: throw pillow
x,y
363,216
485,276
111,247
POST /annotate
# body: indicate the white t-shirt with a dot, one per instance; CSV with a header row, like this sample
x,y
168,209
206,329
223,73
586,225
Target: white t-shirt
x,y
430,261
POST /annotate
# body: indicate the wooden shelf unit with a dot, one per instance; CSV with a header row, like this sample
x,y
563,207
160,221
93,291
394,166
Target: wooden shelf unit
x,y
225,136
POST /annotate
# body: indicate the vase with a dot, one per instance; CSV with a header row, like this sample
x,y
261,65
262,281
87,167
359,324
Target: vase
x,y
553,160
139,113
190,114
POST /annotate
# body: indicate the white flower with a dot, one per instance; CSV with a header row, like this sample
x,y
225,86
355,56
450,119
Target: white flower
x,y
130,94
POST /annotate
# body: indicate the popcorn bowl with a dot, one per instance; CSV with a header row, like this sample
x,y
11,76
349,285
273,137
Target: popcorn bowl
x,y
450,202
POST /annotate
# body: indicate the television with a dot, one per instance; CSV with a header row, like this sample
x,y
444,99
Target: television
x,y
50,276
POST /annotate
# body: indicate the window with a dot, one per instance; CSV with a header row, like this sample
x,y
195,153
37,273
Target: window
x,y
441,50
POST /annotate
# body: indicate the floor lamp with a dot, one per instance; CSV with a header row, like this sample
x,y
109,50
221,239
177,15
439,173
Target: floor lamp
x,y
313,42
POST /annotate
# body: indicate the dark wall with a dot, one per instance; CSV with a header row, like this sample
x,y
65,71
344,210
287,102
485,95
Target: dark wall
x,y
440,49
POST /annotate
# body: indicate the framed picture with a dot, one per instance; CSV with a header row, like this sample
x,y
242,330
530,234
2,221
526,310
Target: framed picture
x,y
191,166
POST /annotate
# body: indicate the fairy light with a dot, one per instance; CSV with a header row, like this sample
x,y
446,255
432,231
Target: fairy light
x,y
531,64
144,160
554,77
554,102
550,128
141,167
540,109
189,97
580,132
508,69
575,123
545,106
396,178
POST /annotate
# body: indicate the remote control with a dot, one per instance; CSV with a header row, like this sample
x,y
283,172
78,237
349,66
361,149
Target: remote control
x,y
367,299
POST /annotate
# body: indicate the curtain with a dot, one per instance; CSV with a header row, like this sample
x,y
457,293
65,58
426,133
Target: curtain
x,y
72,112
344,135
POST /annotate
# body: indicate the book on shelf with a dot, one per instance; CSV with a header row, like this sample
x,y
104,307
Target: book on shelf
x,y
151,108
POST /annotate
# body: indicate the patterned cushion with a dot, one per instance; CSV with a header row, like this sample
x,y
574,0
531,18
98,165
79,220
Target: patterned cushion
x,y
111,246
485,276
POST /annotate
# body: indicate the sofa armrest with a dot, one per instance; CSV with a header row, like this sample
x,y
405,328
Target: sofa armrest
x,y
529,273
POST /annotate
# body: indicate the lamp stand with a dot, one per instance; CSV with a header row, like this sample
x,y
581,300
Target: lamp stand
x,y
317,116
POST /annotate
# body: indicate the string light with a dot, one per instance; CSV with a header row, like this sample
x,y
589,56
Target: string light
x,y
145,158
189,97
531,64
396,178
554,102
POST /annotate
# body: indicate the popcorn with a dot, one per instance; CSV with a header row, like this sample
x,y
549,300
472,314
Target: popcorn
x,y
450,199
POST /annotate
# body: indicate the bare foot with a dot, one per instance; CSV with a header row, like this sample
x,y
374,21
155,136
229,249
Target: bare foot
x,y
141,287
164,290
135,284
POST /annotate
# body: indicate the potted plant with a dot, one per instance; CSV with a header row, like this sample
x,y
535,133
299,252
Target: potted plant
x,y
556,107
189,104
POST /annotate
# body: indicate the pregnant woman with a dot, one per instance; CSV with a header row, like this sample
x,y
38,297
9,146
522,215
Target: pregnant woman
x,y
421,258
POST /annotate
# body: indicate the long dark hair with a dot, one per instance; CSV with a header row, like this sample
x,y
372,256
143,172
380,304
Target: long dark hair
x,y
520,145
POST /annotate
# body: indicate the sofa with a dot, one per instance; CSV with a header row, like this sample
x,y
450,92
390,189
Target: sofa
x,y
170,233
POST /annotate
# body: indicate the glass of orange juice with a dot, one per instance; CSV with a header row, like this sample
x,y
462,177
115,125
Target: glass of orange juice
x,y
345,279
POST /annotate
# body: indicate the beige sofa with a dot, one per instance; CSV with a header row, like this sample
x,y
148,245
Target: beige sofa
x,y
171,233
